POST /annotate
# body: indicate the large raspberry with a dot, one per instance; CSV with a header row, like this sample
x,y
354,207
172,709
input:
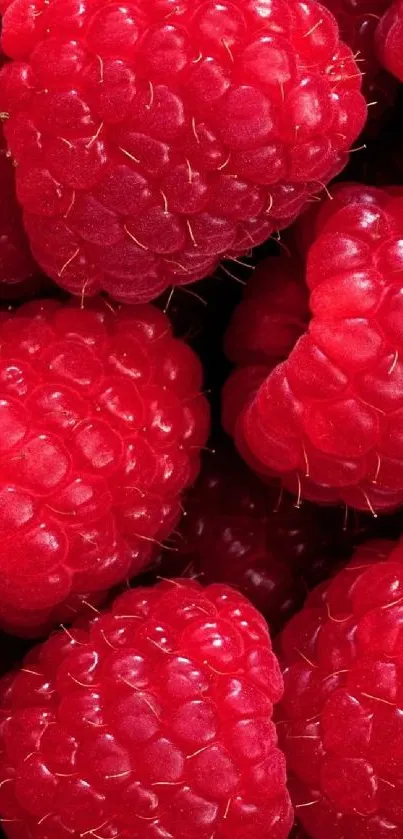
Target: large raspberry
x,y
389,39
341,721
240,531
358,21
101,420
153,723
155,139
329,418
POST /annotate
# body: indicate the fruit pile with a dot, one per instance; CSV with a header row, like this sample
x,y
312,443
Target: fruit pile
x,y
201,419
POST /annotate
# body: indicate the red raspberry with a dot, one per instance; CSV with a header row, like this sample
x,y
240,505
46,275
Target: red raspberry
x,y
154,722
101,420
389,39
341,719
358,20
251,535
155,139
328,419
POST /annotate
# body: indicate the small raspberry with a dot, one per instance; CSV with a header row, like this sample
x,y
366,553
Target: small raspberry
x,y
240,531
153,722
328,419
389,39
155,139
101,421
358,20
341,719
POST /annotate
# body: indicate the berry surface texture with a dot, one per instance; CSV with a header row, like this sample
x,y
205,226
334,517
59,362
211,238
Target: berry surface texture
x,y
340,723
153,722
156,138
101,421
329,418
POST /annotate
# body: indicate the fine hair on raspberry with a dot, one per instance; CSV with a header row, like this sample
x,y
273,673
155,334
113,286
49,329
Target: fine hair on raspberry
x,y
328,418
154,721
341,721
155,139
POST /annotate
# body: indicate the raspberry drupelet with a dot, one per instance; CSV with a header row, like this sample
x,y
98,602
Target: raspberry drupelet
x,y
156,139
152,722
101,422
328,419
341,720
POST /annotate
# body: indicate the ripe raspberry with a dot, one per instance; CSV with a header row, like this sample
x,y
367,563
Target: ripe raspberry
x,y
328,419
101,420
155,139
341,718
358,20
389,39
154,722
251,535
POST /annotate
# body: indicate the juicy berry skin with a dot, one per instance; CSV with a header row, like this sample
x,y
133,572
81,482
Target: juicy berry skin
x,y
101,420
389,39
340,723
358,21
328,419
152,723
157,138
240,531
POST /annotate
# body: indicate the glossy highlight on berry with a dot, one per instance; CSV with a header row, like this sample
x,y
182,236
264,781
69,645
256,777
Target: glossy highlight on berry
x,y
101,423
328,418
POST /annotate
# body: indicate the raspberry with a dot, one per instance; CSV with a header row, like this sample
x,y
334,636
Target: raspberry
x,y
341,718
155,139
251,535
389,39
358,20
101,420
153,722
328,419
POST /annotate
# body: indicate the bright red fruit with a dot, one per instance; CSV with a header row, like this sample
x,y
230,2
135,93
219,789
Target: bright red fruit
x,y
329,418
389,39
340,723
358,21
101,421
156,138
251,535
152,723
